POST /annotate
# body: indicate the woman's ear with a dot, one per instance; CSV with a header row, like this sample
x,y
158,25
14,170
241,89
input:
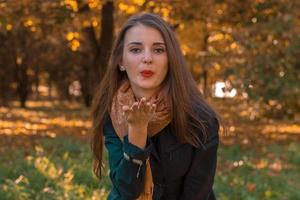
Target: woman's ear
x,y
121,67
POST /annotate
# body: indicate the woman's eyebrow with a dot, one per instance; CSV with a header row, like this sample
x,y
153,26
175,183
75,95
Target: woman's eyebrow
x,y
136,43
158,43
140,43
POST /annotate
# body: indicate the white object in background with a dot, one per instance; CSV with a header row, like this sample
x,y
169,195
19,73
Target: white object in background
x,y
223,90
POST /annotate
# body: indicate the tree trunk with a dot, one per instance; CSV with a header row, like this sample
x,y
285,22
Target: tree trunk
x,y
107,34
85,83
36,82
101,50
22,87
204,64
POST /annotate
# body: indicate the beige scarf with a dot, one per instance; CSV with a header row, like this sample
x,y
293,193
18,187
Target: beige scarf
x,y
161,119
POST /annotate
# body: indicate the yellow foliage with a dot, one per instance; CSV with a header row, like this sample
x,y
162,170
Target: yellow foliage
x,y
262,164
68,176
185,49
46,167
123,6
128,9
268,193
156,10
218,37
28,23
9,27
70,36
151,3
139,2
75,44
71,4
86,23
131,10
165,12
217,66
281,128
197,69
33,29
94,3
181,26
233,45
76,35
95,23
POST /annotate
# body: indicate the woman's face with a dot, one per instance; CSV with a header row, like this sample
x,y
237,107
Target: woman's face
x,y
145,58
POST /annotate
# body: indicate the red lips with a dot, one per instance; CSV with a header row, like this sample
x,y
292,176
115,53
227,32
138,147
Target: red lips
x,y
147,73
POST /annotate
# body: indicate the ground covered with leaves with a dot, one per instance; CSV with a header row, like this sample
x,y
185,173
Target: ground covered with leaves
x,y
45,154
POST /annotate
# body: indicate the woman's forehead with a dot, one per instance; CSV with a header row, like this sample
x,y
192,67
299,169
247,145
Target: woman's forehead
x,y
142,34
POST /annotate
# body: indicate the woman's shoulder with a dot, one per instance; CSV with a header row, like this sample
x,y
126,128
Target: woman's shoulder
x,y
211,124
213,127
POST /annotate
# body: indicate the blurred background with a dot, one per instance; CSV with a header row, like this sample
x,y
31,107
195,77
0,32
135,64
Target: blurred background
x,y
244,54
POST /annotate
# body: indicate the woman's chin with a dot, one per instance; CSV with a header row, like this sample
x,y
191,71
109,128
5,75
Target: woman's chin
x,y
147,85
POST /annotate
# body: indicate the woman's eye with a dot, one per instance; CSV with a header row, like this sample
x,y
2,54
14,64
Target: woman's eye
x,y
159,50
135,50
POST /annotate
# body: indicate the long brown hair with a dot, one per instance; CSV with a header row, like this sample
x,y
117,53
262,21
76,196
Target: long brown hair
x,y
189,110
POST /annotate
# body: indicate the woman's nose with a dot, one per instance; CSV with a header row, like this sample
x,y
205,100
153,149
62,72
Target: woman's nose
x,y
147,58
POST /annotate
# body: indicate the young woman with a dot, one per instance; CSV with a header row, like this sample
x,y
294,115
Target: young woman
x,y
161,135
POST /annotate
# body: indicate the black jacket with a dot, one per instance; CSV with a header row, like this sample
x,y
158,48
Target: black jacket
x,y
180,171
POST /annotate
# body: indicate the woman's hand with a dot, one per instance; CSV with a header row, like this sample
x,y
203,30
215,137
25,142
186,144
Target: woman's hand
x,y
140,113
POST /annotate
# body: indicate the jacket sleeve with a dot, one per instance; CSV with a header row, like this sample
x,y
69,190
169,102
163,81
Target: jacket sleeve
x,y
127,177
200,178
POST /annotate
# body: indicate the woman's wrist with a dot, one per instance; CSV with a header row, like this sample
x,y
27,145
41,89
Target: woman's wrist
x,y
137,135
137,126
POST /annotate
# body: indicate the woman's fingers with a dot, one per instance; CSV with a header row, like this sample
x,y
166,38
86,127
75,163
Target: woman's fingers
x,y
139,112
141,106
148,107
125,108
134,106
142,103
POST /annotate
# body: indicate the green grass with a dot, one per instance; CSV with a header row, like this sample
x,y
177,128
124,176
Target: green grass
x,y
61,168
269,172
